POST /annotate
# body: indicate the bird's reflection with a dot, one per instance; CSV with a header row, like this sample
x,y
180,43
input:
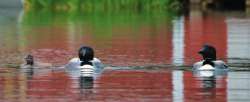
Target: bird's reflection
x,y
29,72
208,78
86,86
209,82
86,82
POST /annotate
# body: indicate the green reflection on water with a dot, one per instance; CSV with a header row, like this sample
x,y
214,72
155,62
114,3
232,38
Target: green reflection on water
x,y
106,5
48,29
101,24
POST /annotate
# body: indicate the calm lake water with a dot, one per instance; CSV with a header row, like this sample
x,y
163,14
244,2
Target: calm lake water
x,y
44,85
123,41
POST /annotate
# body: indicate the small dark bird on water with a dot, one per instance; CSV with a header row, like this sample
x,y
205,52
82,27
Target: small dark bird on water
x,y
29,60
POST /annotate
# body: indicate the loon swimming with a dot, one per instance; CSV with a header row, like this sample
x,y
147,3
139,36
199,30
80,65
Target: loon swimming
x,y
29,60
31,63
209,61
85,65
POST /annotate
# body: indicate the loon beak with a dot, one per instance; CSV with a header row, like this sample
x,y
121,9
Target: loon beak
x,y
201,52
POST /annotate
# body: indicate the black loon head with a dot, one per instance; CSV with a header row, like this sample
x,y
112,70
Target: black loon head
x,y
208,52
86,54
29,60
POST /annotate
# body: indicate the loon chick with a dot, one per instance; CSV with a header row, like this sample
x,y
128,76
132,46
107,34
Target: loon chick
x,y
31,63
29,60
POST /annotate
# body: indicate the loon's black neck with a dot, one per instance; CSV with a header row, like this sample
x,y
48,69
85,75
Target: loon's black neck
x,y
208,61
86,63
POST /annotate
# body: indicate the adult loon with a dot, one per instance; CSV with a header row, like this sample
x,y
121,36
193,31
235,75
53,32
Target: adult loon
x,y
209,61
86,64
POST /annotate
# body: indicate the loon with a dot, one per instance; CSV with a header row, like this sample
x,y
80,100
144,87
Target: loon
x,y
208,53
209,63
86,63
31,63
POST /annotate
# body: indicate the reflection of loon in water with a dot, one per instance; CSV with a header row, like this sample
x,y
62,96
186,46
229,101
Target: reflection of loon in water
x,y
29,73
86,82
86,85
209,82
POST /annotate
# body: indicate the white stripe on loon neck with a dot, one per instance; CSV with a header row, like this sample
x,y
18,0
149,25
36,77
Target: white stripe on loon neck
x,y
87,70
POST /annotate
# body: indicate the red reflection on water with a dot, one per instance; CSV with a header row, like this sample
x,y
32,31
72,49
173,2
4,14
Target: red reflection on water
x,y
124,86
201,30
147,46
48,44
113,85
139,86
49,85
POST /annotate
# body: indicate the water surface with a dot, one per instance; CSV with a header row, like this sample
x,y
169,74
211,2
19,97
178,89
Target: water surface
x,y
124,38
123,85
123,41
